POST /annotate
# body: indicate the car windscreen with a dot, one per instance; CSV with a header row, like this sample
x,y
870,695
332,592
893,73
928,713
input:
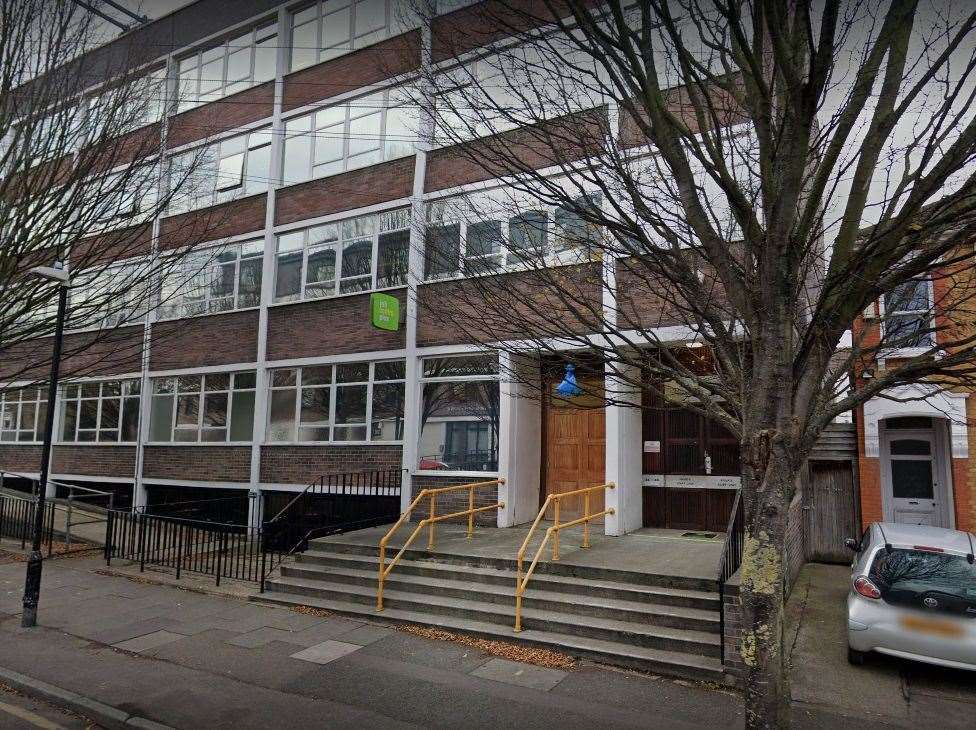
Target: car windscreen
x,y
924,579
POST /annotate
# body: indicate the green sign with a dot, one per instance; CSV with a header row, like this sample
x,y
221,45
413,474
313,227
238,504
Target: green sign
x,y
384,312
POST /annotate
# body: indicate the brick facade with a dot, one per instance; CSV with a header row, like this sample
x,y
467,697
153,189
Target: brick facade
x,y
381,183
233,218
24,458
84,354
236,110
95,460
303,464
456,501
210,463
217,339
117,245
332,326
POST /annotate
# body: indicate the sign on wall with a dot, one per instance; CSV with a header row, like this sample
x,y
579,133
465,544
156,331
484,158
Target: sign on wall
x,y
384,312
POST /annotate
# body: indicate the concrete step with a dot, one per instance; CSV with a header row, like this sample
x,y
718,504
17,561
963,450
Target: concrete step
x,y
333,546
459,585
430,568
671,663
605,629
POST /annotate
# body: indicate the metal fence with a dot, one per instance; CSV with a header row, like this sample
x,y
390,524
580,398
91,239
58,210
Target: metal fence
x,y
17,516
211,548
731,559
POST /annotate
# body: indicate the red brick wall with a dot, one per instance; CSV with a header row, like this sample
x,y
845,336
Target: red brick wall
x,y
20,458
456,501
367,66
232,218
355,189
217,339
211,463
556,142
228,113
103,352
328,327
453,312
95,460
303,464
145,142
112,246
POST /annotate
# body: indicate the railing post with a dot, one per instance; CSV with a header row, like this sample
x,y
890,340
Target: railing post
x,y
555,531
264,555
141,520
470,512
108,537
586,525
179,550
433,512
381,577
67,521
220,552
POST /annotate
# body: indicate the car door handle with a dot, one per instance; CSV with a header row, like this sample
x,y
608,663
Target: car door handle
x,y
912,502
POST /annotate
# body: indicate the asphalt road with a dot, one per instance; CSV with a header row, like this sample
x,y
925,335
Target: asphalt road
x,y
18,712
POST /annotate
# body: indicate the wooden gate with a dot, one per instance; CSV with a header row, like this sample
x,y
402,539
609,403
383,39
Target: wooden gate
x,y
831,511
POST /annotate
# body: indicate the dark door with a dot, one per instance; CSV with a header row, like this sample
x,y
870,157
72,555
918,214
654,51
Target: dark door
x,y
831,511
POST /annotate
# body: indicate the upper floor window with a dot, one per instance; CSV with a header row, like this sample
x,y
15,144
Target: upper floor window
x,y
236,64
216,407
123,198
22,414
109,297
221,171
360,254
478,236
332,28
106,412
346,402
213,280
348,136
908,315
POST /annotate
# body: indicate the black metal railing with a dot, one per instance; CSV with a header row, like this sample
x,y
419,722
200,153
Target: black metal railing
x,y
226,510
195,546
333,504
17,516
730,561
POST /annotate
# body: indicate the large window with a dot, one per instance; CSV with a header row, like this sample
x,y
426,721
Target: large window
x,y
348,136
908,315
106,412
109,297
330,403
216,407
369,252
234,65
213,280
222,171
459,417
480,235
332,28
22,414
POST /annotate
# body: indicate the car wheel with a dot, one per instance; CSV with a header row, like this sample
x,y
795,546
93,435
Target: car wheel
x,y
855,657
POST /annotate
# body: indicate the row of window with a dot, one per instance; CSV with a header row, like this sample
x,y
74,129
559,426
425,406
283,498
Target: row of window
x,y
340,403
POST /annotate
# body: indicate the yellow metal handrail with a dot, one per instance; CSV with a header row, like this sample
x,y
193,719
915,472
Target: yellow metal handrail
x,y
553,532
432,519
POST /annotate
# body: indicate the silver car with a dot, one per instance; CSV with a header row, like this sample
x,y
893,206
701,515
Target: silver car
x,y
913,595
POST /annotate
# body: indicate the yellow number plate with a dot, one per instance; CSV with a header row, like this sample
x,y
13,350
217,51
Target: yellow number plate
x,y
931,626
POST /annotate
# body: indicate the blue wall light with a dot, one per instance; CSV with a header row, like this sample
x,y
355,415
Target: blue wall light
x,y
568,387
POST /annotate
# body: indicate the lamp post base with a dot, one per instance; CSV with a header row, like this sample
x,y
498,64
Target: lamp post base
x,y
32,589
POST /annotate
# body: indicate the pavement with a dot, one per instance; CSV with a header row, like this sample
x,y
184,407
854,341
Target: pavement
x,y
141,654
885,689
20,712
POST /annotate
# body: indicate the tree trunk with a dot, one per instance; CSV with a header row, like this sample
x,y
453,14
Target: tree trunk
x,y
767,484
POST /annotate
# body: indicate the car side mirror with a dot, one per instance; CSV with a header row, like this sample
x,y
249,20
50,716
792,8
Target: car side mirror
x,y
852,544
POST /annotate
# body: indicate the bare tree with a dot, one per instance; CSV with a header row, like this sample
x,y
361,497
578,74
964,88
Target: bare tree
x,y
83,175
705,197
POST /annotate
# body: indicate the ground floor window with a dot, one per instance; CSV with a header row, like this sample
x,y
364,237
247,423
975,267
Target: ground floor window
x,y
459,415
216,407
106,412
22,414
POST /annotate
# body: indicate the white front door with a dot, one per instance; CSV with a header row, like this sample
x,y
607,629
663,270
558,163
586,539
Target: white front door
x,y
913,477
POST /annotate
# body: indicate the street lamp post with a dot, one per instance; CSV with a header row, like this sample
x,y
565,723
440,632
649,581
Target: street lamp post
x,y
32,583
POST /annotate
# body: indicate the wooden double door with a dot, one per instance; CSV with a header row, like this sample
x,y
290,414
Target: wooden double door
x,y
574,448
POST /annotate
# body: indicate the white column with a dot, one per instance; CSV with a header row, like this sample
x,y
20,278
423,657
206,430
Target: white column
x,y
520,440
623,454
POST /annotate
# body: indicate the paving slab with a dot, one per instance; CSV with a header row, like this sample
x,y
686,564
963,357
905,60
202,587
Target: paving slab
x,y
444,655
149,641
522,675
326,652
260,637
366,634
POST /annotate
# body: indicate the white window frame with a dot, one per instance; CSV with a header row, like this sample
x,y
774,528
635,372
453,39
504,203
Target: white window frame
x,y
433,380
264,36
303,129
202,394
332,387
884,313
174,302
7,404
309,248
125,313
124,395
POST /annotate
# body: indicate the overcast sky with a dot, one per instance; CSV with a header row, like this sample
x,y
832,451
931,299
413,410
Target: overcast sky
x,y
153,9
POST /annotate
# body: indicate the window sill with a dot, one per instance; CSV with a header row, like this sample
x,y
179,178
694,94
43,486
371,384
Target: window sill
x,y
905,352
206,314
551,262
198,443
483,475
130,444
332,443
344,295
